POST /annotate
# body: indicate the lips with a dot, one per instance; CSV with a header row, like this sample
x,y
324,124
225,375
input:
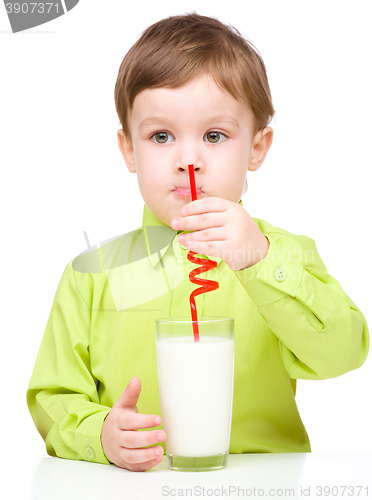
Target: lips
x,y
181,191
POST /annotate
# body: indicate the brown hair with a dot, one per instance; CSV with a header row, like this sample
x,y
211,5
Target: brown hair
x,y
174,50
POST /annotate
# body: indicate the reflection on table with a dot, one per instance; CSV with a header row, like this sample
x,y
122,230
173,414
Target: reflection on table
x,y
285,475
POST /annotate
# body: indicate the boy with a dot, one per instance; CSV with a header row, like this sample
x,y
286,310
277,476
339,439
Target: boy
x,y
191,90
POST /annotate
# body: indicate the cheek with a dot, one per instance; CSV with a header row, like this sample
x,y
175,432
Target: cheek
x,y
149,180
239,164
148,158
233,169
233,165
143,178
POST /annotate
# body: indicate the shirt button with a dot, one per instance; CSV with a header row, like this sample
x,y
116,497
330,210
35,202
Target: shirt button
x,y
280,274
90,452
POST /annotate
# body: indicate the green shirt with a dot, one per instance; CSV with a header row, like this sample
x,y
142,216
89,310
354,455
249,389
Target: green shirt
x,y
292,320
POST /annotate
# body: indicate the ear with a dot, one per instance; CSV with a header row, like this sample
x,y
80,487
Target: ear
x,y
260,147
126,149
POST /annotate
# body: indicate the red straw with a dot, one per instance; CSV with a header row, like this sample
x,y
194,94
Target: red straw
x,y
207,285
192,182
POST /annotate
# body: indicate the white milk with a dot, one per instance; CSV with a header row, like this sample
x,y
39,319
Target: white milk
x,y
196,388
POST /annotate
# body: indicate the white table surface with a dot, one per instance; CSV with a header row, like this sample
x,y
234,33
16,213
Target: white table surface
x,y
246,476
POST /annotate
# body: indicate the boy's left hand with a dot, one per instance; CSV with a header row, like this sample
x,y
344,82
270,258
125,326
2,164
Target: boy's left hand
x,y
222,229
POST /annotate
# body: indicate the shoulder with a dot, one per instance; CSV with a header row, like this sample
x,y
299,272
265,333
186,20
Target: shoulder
x,y
110,253
278,233
300,246
87,273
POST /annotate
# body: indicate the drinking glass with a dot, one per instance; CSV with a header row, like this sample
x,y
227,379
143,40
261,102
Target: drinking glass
x,y
196,390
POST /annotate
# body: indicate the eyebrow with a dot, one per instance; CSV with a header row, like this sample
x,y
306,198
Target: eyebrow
x,y
223,118
156,120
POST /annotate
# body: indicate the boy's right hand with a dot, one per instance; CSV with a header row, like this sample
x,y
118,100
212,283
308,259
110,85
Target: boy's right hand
x,y
122,444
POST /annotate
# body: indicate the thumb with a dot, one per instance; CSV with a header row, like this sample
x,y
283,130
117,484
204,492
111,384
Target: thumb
x,y
130,395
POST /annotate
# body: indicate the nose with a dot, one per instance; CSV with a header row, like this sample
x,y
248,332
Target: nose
x,y
184,167
189,150
189,155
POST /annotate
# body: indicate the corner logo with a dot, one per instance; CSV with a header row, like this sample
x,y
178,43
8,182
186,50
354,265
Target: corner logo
x,y
24,15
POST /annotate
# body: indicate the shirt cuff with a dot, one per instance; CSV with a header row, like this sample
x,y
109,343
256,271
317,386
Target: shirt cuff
x,y
88,438
277,275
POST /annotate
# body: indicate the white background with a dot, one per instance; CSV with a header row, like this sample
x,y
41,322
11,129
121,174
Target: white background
x,y
62,172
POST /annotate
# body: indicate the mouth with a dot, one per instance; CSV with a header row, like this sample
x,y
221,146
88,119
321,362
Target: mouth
x,y
181,191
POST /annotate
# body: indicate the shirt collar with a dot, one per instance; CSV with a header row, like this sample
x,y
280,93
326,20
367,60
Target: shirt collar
x,y
156,237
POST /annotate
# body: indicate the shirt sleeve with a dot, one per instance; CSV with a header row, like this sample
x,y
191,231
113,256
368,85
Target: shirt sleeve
x,y
322,333
62,396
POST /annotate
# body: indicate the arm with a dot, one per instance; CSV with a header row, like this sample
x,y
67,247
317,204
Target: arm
x,y
64,401
322,333
62,396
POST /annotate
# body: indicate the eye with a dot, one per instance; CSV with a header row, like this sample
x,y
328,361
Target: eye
x,y
215,137
162,137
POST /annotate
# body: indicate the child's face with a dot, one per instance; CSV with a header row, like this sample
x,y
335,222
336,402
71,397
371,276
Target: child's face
x,y
197,123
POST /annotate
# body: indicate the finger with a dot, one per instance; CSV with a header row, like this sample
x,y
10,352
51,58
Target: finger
x,y
208,204
133,439
141,455
210,234
130,395
210,248
131,421
144,466
200,221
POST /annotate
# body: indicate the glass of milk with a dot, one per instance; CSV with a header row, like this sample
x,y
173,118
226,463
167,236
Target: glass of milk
x,y
196,382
